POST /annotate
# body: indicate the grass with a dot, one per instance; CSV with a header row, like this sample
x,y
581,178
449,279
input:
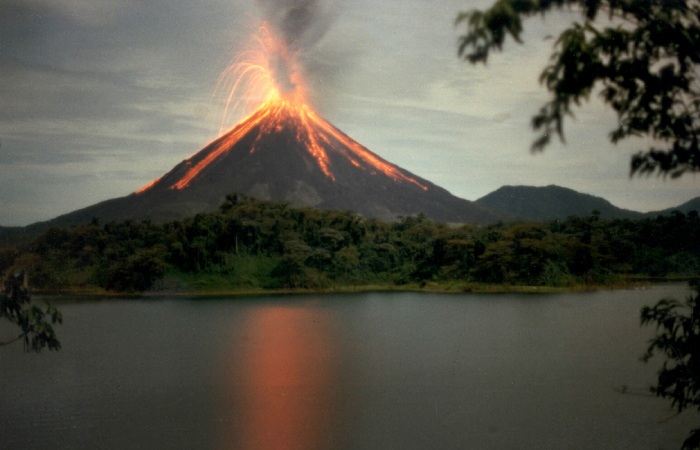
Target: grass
x,y
219,285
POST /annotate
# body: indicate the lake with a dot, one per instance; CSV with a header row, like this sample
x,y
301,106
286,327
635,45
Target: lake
x,y
351,371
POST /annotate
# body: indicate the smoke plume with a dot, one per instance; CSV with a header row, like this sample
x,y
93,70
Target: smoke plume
x,y
303,24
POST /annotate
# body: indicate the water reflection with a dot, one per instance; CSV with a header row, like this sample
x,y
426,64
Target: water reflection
x,y
279,392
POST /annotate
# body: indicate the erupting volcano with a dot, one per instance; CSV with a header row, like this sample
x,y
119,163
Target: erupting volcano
x,y
284,150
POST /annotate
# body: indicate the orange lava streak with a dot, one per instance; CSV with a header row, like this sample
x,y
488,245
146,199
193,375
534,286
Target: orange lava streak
x,y
314,148
252,71
371,159
222,146
148,186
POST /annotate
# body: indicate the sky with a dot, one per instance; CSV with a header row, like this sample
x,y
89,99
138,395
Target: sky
x,y
99,97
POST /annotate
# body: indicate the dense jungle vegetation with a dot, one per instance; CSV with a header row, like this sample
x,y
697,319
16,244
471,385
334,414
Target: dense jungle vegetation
x,y
251,244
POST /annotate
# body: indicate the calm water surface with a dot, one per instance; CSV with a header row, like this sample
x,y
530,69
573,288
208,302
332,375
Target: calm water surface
x,y
365,371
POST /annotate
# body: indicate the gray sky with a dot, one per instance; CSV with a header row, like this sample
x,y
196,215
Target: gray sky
x,y
98,97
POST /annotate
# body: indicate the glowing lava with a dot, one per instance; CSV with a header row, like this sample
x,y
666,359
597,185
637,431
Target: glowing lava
x,y
268,75
266,72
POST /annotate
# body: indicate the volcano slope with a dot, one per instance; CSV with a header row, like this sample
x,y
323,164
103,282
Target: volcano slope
x,y
288,153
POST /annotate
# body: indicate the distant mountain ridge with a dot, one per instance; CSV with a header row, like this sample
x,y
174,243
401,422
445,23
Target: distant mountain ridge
x,y
551,202
685,208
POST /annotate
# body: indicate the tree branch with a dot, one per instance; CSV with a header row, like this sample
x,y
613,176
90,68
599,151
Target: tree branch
x,y
13,340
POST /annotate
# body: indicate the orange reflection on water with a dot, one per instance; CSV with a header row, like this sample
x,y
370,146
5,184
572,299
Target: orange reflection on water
x,y
281,382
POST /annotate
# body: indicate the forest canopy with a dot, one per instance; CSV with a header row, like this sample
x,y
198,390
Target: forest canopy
x,y
252,244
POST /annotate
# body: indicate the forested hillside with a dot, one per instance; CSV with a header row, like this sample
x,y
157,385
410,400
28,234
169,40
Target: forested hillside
x,y
550,203
250,244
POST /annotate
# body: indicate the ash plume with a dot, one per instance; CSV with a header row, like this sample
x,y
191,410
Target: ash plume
x,y
303,24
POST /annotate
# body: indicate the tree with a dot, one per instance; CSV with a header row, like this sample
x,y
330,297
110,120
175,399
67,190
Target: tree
x,y
35,323
641,55
678,325
137,272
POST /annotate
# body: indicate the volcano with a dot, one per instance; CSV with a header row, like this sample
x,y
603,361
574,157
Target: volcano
x,y
283,151
286,151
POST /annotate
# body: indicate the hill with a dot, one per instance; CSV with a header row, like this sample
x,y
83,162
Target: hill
x,y
550,203
685,208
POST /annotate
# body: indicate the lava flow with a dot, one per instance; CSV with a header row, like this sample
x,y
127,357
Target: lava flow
x,y
269,75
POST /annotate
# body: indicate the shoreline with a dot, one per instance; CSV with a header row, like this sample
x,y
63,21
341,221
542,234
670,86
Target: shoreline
x,y
435,287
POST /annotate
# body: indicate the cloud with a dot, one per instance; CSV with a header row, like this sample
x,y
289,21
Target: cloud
x,y
91,13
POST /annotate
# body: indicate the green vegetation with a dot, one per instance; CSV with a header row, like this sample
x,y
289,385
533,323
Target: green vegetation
x,y
640,56
35,324
678,325
251,245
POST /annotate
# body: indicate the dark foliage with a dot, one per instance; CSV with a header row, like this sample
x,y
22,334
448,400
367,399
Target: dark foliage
x,y
266,244
640,55
35,324
678,340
